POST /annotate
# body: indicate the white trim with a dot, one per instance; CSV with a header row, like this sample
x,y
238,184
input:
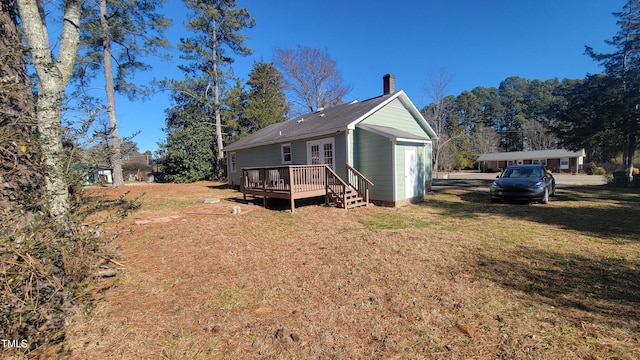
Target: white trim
x,y
394,171
348,148
233,162
413,141
413,180
282,160
377,131
406,102
321,142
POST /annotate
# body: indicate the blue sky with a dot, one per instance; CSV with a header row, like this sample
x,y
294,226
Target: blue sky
x,y
476,42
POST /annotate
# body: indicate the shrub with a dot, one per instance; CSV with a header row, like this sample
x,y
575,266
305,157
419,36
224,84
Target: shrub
x,y
593,169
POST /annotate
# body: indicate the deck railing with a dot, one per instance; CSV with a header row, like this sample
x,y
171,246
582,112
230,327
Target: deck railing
x,y
336,187
297,178
266,179
359,182
293,181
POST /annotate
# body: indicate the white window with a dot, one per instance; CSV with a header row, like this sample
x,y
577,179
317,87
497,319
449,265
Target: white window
x,y
564,163
535,162
232,161
285,152
321,152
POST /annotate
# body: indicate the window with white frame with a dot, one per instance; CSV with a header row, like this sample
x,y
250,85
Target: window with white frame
x,y
232,162
285,152
564,163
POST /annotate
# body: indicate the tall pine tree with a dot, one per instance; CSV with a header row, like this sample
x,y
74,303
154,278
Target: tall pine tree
x,y
216,26
266,102
186,154
622,66
120,32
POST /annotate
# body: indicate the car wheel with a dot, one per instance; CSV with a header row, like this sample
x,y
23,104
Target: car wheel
x,y
545,197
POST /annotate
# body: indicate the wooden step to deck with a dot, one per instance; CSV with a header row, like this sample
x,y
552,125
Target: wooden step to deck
x,y
352,200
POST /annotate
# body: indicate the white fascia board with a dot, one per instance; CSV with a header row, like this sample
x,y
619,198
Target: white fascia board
x,y
416,113
413,141
391,137
407,102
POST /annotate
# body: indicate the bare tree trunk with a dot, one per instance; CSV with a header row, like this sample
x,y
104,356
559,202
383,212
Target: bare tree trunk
x,y
438,90
54,159
53,76
216,102
627,155
114,146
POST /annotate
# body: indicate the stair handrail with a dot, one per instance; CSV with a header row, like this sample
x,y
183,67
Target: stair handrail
x,y
362,185
342,183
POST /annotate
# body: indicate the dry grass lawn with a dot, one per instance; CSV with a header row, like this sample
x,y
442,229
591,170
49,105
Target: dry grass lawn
x,y
456,277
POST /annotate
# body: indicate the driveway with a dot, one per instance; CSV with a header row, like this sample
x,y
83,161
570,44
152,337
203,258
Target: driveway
x,y
477,181
561,179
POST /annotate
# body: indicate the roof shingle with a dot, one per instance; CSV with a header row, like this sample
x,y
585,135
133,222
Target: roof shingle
x,y
321,122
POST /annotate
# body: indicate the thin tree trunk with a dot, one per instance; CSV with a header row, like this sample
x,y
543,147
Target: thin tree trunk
x,y
114,147
53,76
627,155
216,102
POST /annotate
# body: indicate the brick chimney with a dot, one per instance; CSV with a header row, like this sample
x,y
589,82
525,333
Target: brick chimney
x,y
387,84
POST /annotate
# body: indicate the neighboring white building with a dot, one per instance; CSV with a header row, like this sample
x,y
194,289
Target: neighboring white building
x,y
557,160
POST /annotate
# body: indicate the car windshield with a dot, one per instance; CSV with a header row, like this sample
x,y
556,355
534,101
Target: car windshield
x,y
522,172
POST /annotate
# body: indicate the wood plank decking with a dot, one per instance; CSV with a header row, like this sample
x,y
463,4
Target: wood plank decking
x,y
304,181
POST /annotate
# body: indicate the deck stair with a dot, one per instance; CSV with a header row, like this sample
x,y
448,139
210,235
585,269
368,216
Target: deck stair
x,y
348,200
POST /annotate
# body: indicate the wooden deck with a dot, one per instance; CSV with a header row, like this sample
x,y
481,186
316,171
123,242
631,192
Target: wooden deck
x,y
305,181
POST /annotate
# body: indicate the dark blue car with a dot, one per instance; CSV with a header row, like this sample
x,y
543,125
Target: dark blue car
x,y
524,183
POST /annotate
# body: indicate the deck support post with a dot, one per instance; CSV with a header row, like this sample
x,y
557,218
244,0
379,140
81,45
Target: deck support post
x,y
326,188
292,184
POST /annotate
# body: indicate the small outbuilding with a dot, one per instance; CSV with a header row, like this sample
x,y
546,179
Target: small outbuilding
x,y
557,160
377,150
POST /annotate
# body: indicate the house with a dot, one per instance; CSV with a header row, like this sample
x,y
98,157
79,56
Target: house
x,y
380,148
557,160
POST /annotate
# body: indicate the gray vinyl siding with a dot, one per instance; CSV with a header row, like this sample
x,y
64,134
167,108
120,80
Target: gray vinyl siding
x,y
373,158
270,155
397,116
